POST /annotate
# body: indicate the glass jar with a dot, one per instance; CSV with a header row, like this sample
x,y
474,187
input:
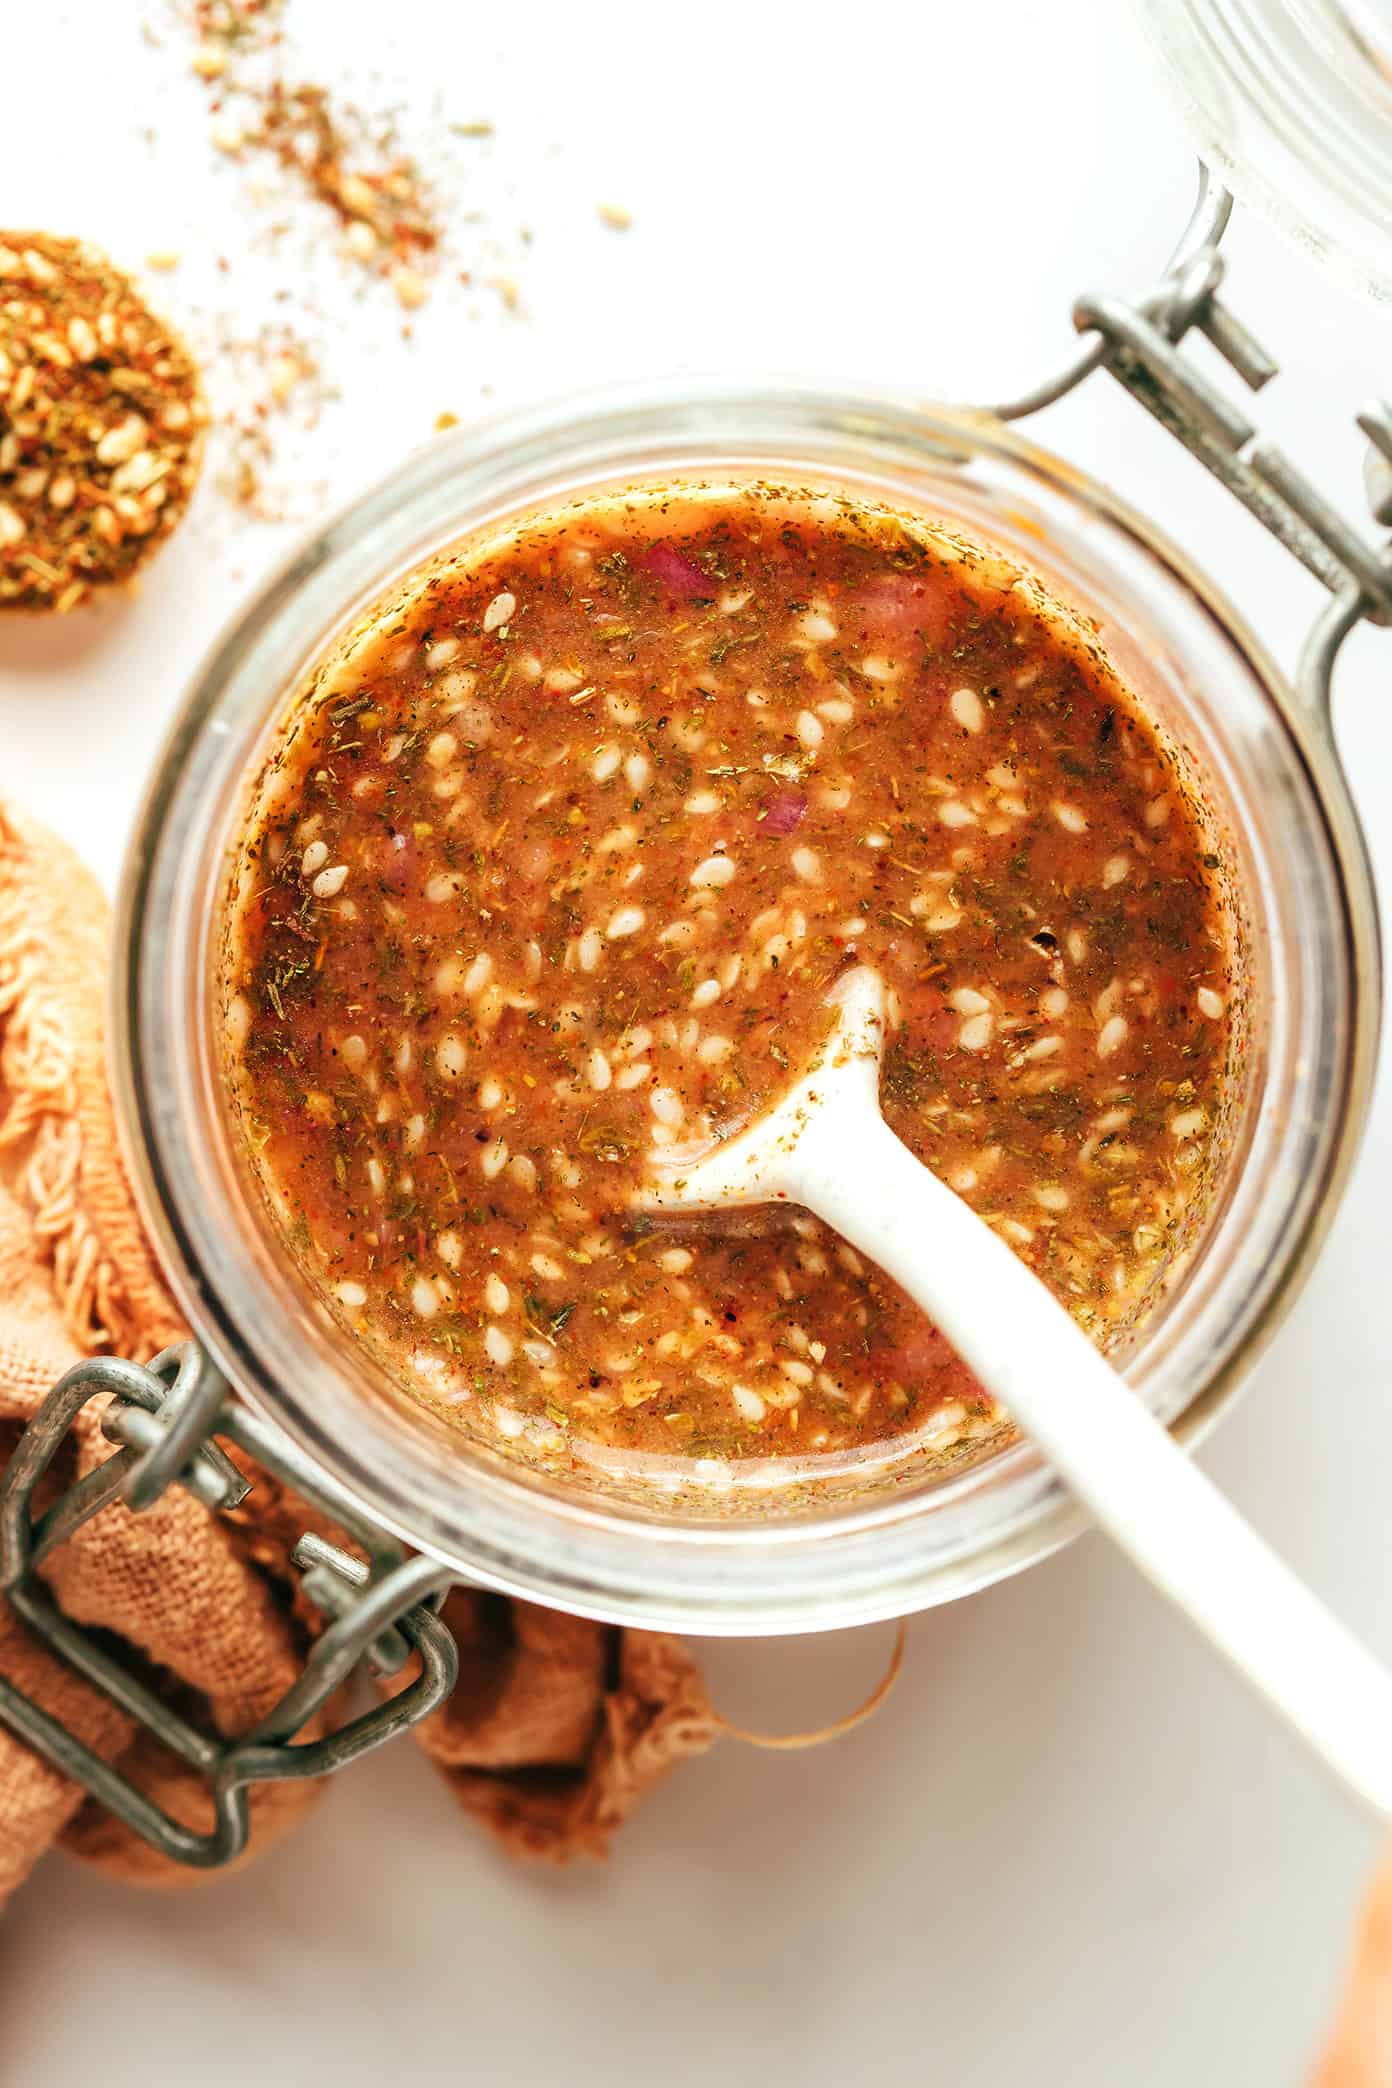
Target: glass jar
x,y
1290,102
814,1555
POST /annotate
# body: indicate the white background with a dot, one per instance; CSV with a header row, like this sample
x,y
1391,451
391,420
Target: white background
x,y
1070,1850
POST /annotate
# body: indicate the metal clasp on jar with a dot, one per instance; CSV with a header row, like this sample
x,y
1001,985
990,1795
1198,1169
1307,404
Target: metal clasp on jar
x,y
1139,344
166,1419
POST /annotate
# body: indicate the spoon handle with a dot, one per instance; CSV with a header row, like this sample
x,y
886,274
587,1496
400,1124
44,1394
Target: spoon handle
x,y
1183,1534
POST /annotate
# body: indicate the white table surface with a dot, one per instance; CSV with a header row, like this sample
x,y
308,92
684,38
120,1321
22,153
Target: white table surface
x,y
1070,1850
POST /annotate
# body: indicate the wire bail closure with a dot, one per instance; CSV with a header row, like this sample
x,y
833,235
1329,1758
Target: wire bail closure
x,y
1139,342
165,1419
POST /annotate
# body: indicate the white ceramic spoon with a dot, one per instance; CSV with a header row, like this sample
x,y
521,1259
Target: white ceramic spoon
x,y
826,1147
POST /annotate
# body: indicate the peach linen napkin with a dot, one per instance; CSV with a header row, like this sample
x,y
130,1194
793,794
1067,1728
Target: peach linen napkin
x,y
1359,2051
558,1726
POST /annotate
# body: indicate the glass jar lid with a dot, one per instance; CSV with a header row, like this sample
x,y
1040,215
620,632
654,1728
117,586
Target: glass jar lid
x,y
1291,105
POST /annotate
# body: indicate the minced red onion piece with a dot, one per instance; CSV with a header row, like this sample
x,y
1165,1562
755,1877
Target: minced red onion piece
x,y
677,574
784,811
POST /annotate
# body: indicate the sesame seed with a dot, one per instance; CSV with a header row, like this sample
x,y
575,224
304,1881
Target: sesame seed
x,y
712,872
499,611
965,706
1069,817
1111,1036
809,728
627,921
451,1055
600,1072
330,882
409,285
1210,1003
497,1347
496,1295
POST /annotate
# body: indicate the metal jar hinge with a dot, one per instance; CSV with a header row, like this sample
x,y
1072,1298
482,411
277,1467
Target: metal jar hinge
x,y
1139,343
166,1419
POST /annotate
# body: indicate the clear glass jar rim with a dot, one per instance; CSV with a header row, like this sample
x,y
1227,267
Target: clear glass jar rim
x,y
714,1578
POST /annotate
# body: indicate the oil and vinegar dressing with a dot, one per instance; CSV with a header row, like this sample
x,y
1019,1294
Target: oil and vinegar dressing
x,y
553,866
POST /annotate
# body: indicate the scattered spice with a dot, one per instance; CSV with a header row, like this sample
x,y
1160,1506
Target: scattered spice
x,y
346,159
372,187
101,424
266,379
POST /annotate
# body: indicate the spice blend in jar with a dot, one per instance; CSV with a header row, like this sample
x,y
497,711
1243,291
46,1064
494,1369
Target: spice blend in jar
x,y
552,868
101,424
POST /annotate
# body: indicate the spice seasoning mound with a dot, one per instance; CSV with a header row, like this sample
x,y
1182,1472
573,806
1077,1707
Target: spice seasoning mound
x,y
102,423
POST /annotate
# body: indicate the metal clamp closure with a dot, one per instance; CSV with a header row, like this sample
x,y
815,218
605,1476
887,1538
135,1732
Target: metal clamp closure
x,y
1139,344
165,1418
